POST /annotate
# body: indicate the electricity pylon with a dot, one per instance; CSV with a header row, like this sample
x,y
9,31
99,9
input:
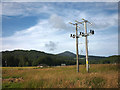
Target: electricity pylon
x,y
76,36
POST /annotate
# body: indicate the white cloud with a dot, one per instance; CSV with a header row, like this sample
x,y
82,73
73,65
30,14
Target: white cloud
x,y
57,22
25,9
51,45
100,20
36,37
60,23
57,30
104,44
104,21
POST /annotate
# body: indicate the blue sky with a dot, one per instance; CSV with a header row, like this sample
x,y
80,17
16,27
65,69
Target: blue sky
x,y
45,26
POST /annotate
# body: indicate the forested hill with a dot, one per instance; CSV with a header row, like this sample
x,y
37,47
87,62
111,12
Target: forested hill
x,y
34,58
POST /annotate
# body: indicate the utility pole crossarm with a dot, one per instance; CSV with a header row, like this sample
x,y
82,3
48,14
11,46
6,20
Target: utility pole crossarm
x,y
86,21
79,22
72,23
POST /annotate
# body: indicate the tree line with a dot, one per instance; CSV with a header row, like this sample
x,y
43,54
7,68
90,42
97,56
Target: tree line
x,y
33,58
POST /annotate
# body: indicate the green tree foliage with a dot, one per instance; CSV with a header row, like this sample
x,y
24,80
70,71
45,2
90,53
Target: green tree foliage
x,y
33,58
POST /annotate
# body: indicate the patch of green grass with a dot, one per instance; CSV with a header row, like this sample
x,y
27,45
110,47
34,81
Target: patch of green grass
x,y
7,77
12,85
5,85
20,68
37,68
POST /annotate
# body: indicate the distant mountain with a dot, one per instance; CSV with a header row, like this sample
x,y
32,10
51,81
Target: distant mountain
x,y
70,54
67,54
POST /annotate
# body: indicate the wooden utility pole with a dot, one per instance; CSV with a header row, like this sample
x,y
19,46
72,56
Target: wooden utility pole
x,y
77,49
86,46
76,36
86,41
82,34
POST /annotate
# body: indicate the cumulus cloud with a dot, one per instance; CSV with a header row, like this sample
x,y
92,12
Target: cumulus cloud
x,y
57,22
41,37
37,37
101,22
51,45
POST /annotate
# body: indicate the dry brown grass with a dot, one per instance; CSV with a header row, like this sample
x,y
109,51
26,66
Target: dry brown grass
x,y
100,76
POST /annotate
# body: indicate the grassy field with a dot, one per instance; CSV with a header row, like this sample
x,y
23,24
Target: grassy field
x,y
100,76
